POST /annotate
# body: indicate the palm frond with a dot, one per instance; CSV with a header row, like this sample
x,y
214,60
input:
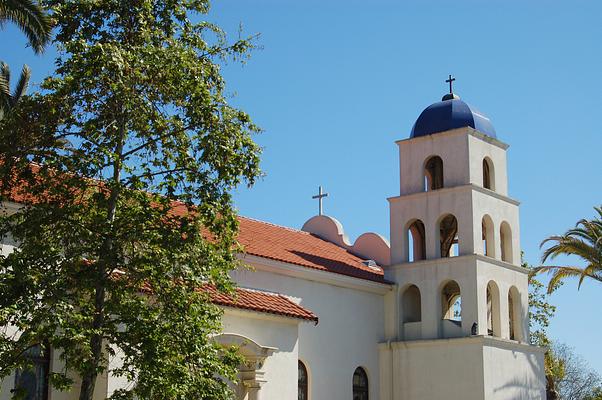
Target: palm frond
x,y
21,87
558,273
570,246
29,16
4,89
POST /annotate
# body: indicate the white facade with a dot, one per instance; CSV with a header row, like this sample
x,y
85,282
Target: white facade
x,y
410,333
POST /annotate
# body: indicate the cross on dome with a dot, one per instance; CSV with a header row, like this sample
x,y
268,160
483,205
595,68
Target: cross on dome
x,y
450,80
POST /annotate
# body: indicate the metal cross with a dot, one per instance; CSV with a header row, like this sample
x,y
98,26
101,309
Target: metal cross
x,y
320,196
450,80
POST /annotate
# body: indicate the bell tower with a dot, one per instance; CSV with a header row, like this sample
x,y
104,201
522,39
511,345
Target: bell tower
x,y
462,301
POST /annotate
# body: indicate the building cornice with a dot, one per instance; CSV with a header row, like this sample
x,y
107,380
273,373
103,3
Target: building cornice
x,y
456,189
10,207
458,259
245,313
458,132
331,278
489,341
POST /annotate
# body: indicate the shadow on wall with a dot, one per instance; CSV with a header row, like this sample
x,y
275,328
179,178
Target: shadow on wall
x,y
338,266
526,385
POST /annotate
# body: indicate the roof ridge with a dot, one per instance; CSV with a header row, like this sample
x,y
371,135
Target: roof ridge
x,y
270,293
256,290
288,228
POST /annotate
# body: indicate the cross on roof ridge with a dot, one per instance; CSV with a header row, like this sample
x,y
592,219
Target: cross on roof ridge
x,y
320,196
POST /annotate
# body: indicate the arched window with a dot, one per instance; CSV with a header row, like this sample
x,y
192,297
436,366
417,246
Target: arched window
x,y
451,302
303,385
448,236
488,175
34,380
360,384
487,236
411,304
506,242
416,241
493,309
433,174
514,314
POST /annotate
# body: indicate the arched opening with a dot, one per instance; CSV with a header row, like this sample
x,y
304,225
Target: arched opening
x,y
514,314
360,384
448,237
411,304
433,174
33,381
487,236
488,174
451,302
493,310
416,241
303,382
506,242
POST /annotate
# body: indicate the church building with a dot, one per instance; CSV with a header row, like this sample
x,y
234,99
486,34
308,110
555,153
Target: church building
x,y
439,312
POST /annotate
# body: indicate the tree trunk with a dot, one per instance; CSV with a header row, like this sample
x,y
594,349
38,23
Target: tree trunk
x,y
105,263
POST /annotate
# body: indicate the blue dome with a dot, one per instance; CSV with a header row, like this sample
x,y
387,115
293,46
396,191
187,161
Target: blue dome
x,y
451,113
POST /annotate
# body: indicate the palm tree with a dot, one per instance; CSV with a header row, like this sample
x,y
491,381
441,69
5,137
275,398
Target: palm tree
x,y
9,100
29,16
583,241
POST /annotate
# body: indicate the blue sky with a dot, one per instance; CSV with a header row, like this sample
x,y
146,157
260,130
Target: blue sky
x,y
337,82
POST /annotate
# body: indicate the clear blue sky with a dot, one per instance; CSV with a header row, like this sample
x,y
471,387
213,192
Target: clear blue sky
x,y
337,82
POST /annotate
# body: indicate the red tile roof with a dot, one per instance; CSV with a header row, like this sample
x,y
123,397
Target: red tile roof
x,y
280,243
271,303
302,248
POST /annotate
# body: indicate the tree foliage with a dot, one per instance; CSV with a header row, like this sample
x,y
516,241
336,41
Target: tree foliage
x,y
125,163
583,241
541,311
578,381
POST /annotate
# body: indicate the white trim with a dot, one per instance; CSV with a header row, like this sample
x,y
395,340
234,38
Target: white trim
x,y
307,273
489,341
10,207
458,259
460,189
263,315
458,131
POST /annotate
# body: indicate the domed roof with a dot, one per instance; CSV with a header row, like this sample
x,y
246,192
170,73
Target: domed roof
x,y
451,113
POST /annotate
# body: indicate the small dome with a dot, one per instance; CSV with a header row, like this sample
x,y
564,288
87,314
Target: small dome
x,y
451,113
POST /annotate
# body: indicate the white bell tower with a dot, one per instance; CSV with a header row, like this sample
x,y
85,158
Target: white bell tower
x,y
457,327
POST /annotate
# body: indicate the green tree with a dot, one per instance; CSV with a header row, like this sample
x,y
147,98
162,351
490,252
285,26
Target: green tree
x,y
125,163
541,311
583,241
578,381
596,395
30,17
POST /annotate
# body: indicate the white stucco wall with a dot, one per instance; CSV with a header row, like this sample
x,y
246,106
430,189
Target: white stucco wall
x,y
513,372
462,151
351,324
461,369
